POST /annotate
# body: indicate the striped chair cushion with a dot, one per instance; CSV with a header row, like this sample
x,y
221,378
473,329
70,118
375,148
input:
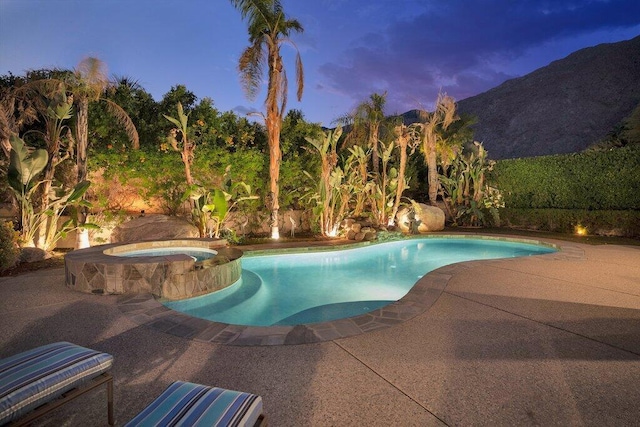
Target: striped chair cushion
x,y
35,377
188,404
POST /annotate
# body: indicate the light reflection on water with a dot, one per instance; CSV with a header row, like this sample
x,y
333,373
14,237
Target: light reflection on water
x,y
291,289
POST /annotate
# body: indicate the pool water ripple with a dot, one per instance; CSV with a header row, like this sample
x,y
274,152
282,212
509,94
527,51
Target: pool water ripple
x,y
311,287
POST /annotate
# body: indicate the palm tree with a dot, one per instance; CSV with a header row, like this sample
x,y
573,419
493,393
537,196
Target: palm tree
x,y
268,30
371,115
405,138
87,84
432,127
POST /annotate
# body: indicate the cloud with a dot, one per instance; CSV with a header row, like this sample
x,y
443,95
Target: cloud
x,y
462,47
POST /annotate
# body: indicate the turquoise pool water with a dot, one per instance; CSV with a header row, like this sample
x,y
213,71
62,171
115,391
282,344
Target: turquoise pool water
x,y
199,254
311,287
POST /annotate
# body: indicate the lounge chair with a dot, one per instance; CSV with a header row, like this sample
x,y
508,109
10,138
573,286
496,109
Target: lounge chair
x,y
188,404
37,381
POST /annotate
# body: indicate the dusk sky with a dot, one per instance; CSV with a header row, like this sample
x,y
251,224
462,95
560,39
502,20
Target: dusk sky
x,y
350,48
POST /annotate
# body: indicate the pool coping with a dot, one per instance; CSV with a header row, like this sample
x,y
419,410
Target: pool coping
x,y
145,309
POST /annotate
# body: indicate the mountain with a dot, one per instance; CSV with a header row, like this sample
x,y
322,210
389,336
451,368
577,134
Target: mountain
x,y
561,108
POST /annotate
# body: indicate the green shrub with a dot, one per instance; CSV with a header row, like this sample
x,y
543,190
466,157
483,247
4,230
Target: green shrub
x,y
157,174
9,251
593,180
602,222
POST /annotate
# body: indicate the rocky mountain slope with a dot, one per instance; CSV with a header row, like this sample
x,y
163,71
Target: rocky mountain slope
x,y
561,108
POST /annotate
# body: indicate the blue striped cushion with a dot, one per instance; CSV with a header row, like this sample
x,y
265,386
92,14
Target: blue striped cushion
x,y
188,404
35,377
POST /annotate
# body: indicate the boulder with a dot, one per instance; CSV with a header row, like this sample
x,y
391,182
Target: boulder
x,y
32,255
153,227
423,219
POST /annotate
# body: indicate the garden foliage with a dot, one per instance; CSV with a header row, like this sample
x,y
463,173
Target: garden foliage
x,y
8,245
592,180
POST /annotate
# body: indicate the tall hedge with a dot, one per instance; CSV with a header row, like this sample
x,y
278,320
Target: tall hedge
x,y
593,180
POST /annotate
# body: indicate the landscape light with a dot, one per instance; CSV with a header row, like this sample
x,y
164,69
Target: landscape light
x,y
580,230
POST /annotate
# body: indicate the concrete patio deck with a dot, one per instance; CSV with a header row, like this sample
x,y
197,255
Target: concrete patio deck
x,y
546,340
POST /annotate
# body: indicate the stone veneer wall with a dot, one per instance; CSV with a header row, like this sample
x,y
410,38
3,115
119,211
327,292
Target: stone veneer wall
x,y
99,270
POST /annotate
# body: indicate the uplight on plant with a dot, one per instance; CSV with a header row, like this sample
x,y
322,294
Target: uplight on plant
x,y
580,230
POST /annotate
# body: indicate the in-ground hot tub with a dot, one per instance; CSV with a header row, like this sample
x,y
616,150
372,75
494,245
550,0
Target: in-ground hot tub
x,y
171,269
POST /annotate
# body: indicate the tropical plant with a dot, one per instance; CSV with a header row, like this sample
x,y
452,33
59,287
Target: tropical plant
x,y
24,169
327,193
42,221
383,195
179,140
359,177
139,105
59,146
467,194
405,138
87,84
269,29
211,207
369,116
432,126
9,251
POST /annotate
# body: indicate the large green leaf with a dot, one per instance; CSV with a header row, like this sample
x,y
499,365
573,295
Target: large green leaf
x,y
172,120
24,166
78,191
220,201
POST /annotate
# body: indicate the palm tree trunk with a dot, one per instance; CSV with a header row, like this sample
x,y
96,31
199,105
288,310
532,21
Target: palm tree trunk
x,y
274,122
82,141
433,177
402,144
275,157
373,142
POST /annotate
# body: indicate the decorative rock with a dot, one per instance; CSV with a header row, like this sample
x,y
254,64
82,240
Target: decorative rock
x,y
153,227
32,255
370,236
351,235
347,223
356,227
359,237
426,218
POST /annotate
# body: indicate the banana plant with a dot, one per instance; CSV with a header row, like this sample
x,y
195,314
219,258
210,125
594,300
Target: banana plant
x,y
211,207
330,178
184,145
465,190
388,181
25,166
62,200
359,158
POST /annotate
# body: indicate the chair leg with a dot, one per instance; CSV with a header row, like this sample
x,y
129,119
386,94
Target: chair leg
x,y
70,395
110,418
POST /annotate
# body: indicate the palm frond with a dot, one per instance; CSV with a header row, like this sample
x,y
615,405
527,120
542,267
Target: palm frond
x,y
282,91
299,76
258,13
90,78
251,67
125,121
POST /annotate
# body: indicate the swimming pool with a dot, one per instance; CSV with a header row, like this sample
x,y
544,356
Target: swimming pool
x,y
311,287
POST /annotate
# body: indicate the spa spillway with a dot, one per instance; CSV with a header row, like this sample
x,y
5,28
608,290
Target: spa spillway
x,y
170,269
